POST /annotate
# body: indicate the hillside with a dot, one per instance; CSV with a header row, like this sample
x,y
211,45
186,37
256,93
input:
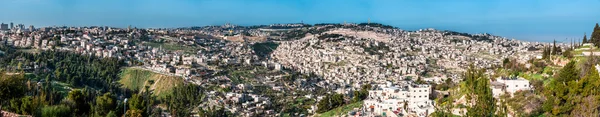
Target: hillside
x,y
136,79
339,111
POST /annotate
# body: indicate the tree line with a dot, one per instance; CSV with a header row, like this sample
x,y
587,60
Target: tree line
x,y
332,101
35,84
595,36
572,91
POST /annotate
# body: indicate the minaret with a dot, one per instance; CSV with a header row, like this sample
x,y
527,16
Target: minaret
x,y
369,21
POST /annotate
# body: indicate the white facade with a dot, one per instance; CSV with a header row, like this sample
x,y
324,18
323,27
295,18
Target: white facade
x,y
388,98
509,85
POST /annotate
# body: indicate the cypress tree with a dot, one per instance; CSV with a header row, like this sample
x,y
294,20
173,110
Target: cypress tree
x,y
561,90
554,48
584,38
596,35
479,89
591,82
568,73
546,53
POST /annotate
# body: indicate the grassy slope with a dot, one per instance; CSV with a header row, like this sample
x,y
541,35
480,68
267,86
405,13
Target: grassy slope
x,y
341,110
137,79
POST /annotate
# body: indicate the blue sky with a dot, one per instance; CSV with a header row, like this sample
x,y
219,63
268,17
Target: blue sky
x,y
533,20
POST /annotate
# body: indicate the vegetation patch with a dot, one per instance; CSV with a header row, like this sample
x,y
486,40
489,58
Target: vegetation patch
x,y
137,79
264,49
343,110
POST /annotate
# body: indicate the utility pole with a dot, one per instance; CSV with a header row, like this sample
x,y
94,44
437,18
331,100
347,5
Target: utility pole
x,y
125,107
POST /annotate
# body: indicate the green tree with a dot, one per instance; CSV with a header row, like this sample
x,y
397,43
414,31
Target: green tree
x,y
546,53
184,99
324,105
584,38
479,93
590,61
588,107
555,49
27,105
362,94
442,107
111,114
11,86
595,38
568,53
134,113
105,104
505,62
590,83
15,105
136,102
568,73
81,106
56,111
329,102
563,93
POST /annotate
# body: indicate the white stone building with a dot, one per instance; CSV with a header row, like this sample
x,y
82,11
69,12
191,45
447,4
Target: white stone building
x,y
406,99
509,85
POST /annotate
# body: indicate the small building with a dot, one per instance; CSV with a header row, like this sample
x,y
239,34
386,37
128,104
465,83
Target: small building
x,y
509,85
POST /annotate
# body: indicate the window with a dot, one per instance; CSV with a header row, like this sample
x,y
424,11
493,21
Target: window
x,y
516,85
419,90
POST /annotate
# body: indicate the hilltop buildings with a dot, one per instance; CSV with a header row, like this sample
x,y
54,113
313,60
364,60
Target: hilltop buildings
x,y
338,58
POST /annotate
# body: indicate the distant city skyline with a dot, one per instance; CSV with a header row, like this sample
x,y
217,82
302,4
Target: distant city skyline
x,y
531,20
